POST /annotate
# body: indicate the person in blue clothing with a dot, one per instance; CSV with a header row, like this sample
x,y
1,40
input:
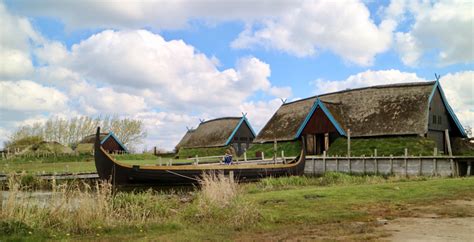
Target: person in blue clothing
x,y
228,157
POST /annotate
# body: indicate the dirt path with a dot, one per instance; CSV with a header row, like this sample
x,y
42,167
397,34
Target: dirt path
x,y
433,226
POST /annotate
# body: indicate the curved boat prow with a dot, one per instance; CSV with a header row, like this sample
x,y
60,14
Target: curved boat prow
x,y
102,163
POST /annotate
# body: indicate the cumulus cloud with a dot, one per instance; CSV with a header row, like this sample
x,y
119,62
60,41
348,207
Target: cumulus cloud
x,y
458,87
343,27
15,42
168,74
29,96
151,13
443,28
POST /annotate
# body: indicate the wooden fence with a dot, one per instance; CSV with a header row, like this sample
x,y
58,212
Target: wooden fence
x,y
392,165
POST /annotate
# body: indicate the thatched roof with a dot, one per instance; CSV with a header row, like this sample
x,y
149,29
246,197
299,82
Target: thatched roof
x,y
185,139
396,109
213,133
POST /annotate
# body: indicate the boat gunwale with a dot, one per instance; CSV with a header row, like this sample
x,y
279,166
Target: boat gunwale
x,y
207,167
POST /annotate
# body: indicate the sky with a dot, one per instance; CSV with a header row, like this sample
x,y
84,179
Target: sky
x,y
173,63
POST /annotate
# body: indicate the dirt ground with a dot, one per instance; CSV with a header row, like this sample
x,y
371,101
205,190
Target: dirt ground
x,y
451,221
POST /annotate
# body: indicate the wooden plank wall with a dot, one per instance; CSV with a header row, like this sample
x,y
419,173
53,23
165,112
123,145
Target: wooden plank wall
x,y
385,165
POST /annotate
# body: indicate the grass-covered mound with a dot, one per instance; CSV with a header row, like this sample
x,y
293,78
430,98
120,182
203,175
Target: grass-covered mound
x,y
385,146
291,148
201,152
462,147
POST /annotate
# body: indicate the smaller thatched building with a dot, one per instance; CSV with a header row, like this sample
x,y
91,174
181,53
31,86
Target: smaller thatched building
x,y
109,142
212,137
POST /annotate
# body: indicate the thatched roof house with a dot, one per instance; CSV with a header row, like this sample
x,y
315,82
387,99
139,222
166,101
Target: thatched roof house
x,y
109,142
419,109
220,132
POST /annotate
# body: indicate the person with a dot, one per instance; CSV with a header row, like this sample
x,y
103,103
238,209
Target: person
x,y
228,157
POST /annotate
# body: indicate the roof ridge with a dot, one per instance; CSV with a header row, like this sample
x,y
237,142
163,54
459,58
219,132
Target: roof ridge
x,y
221,118
405,84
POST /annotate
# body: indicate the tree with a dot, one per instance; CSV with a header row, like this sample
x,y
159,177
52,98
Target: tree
x,y
71,131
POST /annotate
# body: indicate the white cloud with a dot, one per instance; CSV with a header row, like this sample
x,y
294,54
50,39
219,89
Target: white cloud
x,y
459,90
364,79
15,36
168,74
151,13
29,96
259,112
443,28
343,27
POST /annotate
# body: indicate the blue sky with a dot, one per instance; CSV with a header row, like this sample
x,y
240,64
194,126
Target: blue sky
x,y
171,63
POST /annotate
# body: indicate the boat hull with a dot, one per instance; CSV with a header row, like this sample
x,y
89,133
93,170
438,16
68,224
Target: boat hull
x,y
131,175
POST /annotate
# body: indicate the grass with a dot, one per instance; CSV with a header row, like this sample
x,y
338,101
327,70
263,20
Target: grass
x,y
335,206
291,148
385,146
184,153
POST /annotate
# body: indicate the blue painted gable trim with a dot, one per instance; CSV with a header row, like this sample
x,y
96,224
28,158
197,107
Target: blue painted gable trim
x,y
319,104
111,134
242,120
437,86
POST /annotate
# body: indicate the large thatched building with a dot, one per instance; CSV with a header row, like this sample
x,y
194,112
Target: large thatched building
x,y
109,142
410,109
211,136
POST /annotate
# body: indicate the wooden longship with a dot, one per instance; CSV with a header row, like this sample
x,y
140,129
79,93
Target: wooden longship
x,y
131,175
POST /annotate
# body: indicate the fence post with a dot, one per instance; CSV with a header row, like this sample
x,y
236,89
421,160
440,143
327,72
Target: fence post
x,y
283,156
245,156
435,163
324,162
405,158
376,163
231,176
160,161
420,165
391,164
197,160
348,143
263,155
365,164
469,168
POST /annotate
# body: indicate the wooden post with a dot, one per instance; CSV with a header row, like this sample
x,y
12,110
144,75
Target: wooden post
x,y
405,159
376,163
197,160
326,141
420,165
160,161
365,164
435,165
391,164
469,168
324,162
454,171
263,155
283,155
350,164
231,176
154,150
348,142
245,156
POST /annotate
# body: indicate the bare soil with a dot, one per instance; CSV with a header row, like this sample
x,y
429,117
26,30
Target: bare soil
x,y
449,221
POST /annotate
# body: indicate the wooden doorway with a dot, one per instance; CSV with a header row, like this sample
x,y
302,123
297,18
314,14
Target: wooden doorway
x,y
316,143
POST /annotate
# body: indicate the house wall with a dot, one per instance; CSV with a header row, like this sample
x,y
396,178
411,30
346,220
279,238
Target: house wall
x,y
111,145
439,121
242,139
318,125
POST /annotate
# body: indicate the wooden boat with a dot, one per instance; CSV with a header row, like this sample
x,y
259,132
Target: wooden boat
x,y
124,174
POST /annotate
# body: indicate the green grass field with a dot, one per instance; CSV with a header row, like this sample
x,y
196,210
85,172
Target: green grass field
x,y
333,207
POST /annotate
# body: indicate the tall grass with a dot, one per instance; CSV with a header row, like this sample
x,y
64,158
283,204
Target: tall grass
x,y
220,201
89,209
